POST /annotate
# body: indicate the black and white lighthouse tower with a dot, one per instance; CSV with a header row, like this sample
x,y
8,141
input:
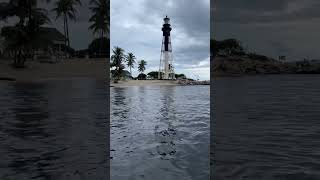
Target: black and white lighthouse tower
x,y
166,69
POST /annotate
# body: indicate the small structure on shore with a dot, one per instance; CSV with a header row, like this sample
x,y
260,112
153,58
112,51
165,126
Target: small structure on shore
x,y
52,45
282,58
49,45
166,69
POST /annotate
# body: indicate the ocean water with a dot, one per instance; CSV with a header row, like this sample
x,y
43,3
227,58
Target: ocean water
x,y
53,130
266,127
160,132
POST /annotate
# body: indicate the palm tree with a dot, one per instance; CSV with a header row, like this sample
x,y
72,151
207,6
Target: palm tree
x,y
21,38
67,10
142,66
117,61
21,8
100,19
130,61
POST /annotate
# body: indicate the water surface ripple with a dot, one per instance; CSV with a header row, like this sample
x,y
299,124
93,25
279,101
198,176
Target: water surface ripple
x,y
267,127
160,133
53,130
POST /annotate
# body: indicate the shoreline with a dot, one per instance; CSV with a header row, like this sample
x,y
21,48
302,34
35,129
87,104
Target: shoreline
x,y
235,66
260,75
67,69
132,83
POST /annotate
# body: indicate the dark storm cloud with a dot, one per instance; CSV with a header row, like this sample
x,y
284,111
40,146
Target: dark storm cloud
x,y
273,28
248,11
189,15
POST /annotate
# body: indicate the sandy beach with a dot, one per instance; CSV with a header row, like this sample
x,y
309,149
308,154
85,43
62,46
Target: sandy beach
x,y
130,83
69,68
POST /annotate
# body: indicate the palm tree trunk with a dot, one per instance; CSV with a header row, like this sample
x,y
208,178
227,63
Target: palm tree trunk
x,y
67,31
101,42
65,35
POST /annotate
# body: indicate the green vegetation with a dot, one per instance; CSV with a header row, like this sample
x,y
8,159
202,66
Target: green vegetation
x,y
233,47
142,76
99,48
100,17
232,59
117,60
142,66
130,61
66,9
180,76
100,20
28,34
228,47
153,74
21,39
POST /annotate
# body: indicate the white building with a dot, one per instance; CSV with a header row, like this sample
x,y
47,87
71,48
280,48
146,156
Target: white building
x,y
52,45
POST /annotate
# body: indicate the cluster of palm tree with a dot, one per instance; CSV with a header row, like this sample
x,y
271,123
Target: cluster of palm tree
x,y
22,38
19,38
119,58
100,21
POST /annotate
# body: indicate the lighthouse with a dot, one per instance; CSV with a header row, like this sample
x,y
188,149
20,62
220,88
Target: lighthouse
x,y
166,69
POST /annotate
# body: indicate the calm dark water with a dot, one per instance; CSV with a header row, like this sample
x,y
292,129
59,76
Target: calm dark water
x,y
267,127
53,130
160,133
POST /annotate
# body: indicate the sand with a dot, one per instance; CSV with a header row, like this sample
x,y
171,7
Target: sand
x,y
131,83
69,68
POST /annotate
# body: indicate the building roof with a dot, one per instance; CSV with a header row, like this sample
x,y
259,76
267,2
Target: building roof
x,y
51,34
46,33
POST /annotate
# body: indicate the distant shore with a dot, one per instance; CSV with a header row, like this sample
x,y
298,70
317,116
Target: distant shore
x,y
234,66
66,69
130,83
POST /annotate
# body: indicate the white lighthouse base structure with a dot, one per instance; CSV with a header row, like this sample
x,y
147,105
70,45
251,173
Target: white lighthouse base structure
x,y
166,70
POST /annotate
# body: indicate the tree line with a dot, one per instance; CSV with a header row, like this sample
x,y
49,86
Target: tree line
x,y
119,60
22,39
232,47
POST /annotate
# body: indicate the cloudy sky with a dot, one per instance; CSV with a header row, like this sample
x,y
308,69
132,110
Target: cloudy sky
x,y
80,36
273,27
136,27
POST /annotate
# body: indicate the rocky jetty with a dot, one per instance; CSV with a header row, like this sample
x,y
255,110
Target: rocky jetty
x,y
239,65
193,82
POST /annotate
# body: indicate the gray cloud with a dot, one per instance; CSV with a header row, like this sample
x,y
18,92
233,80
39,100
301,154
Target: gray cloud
x,y
80,35
136,27
247,11
273,28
